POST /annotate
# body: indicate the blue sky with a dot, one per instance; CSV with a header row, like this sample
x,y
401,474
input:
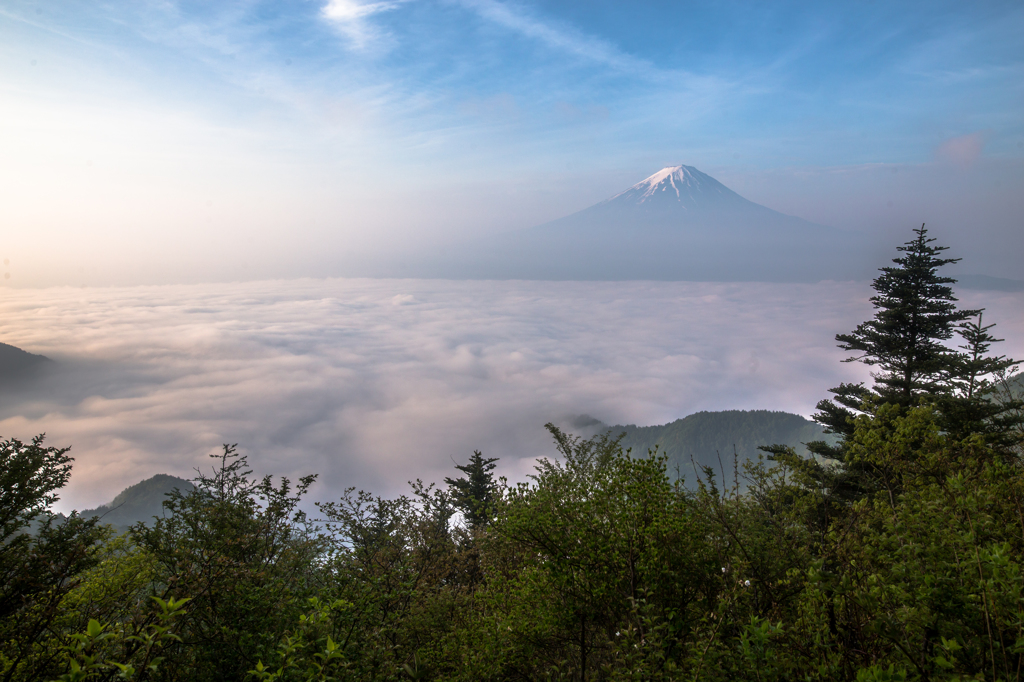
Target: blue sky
x,y
169,141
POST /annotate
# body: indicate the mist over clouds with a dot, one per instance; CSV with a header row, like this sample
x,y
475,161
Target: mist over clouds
x,y
374,382
972,205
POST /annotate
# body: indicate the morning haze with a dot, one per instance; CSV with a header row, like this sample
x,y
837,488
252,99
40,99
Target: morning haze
x,y
363,238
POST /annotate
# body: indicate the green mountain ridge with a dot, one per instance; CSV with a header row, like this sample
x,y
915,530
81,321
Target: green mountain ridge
x,y
139,502
713,438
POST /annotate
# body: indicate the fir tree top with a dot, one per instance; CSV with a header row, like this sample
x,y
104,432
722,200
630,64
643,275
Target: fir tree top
x,y
915,312
474,495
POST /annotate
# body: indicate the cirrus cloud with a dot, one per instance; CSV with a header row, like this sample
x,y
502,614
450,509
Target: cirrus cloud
x,y
350,17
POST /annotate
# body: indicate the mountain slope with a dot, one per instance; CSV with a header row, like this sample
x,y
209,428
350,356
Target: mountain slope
x,y
681,197
711,438
140,502
677,224
679,187
16,363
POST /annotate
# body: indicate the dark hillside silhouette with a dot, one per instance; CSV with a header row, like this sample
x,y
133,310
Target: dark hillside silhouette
x,y
17,364
711,438
140,502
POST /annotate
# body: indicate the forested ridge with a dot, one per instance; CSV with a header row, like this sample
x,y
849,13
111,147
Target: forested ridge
x,y
138,503
893,553
716,439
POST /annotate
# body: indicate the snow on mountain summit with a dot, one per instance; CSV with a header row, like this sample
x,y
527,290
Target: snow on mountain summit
x,y
665,178
679,187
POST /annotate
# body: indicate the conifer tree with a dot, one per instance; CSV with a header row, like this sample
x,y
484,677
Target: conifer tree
x,y
916,312
972,405
975,368
474,495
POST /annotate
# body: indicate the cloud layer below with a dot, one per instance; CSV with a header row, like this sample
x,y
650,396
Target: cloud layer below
x,y
374,382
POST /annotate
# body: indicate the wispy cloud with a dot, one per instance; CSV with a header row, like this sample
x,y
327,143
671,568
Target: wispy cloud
x,y
351,18
654,88
562,38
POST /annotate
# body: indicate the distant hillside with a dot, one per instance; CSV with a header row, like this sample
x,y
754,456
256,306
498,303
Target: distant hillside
x,y
140,502
16,363
706,436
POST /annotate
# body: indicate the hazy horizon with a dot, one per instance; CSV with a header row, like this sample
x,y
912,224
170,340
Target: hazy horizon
x,y
170,142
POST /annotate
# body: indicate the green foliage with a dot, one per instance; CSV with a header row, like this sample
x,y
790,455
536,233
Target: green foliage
x,y
598,568
102,652
309,653
30,475
916,312
399,567
39,568
590,534
474,496
242,551
980,400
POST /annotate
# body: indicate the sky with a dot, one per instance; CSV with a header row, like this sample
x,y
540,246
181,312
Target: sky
x,y
151,142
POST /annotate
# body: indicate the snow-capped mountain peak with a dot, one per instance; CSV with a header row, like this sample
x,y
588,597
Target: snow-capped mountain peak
x,y
669,176
682,186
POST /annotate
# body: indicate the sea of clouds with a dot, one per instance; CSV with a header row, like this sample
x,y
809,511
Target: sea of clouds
x,y
371,383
